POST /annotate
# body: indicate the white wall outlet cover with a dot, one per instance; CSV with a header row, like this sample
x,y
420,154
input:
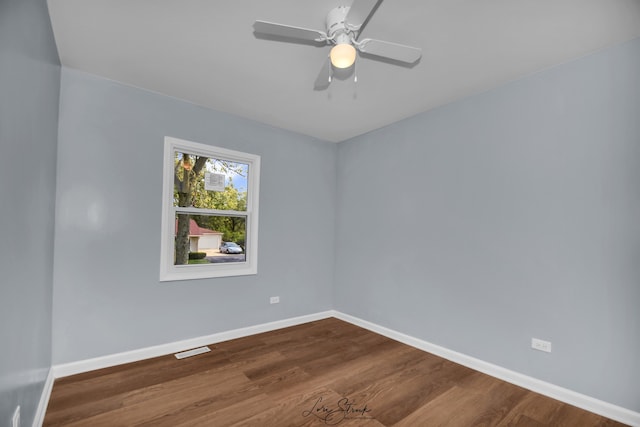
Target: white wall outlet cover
x,y
538,344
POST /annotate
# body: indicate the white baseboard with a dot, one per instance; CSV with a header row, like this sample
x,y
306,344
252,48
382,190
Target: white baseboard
x,y
553,391
588,403
66,369
38,419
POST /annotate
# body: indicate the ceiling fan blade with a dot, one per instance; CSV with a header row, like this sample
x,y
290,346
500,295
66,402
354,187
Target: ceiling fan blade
x,y
359,13
395,51
289,31
324,76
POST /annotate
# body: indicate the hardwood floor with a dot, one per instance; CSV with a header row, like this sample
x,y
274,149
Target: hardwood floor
x,y
321,373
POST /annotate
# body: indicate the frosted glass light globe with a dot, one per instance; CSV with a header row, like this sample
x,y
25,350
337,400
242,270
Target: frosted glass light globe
x,y
343,55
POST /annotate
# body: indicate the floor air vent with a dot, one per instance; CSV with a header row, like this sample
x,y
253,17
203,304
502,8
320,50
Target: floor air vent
x,y
193,352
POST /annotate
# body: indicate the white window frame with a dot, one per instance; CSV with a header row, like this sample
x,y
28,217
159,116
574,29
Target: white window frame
x,y
169,271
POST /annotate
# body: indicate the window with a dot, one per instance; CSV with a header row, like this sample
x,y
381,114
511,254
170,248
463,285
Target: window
x,y
209,211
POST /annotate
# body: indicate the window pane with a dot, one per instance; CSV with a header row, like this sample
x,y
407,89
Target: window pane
x,y
209,183
206,239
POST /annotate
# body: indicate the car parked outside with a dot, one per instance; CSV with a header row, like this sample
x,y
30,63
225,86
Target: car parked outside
x,y
230,248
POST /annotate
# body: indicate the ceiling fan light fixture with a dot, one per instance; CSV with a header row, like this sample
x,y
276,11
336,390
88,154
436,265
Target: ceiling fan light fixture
x,y
343,55
343,27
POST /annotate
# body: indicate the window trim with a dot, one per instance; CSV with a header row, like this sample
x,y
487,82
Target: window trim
x,y
171,272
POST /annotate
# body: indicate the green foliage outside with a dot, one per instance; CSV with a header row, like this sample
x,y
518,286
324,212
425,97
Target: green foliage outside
x,y
197,255
189,190
232,227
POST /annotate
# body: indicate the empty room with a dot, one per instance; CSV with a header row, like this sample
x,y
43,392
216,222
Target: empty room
x,y
296,213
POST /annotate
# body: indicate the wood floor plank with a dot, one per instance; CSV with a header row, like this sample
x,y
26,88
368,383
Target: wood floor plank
x,y
456,406
76,390
307,375
234,413
171,396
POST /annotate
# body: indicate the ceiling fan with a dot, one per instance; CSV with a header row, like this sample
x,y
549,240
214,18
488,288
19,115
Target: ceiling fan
x,y
344,25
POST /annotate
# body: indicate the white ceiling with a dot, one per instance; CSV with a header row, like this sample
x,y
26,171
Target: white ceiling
x,y
204,51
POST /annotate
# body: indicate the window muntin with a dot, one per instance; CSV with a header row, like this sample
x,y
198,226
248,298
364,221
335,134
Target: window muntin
x,y
210,195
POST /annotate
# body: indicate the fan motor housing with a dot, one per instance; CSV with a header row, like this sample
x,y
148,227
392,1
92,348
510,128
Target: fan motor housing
x,y
335,21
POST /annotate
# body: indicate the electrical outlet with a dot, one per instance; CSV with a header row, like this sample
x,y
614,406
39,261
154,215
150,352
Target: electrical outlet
x,y
274,300
541,345
15,420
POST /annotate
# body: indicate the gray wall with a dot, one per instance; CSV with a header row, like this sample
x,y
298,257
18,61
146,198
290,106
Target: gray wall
x,y
107,297
504,216
29,88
